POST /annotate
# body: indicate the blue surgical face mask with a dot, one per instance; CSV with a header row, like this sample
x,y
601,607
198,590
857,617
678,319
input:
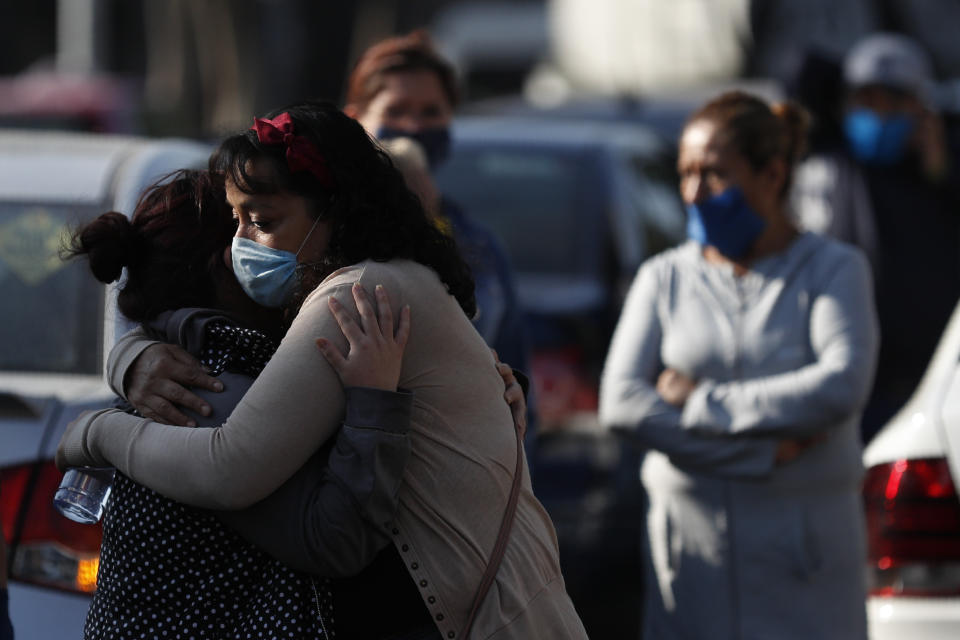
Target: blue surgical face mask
x,y
877,140
267,275
726,222
435,142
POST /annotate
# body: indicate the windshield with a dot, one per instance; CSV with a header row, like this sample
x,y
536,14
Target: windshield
x,y
52,311
534,200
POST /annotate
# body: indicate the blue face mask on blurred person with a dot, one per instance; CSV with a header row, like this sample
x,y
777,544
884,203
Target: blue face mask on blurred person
x,y
435,142
877,140
725,221
267,275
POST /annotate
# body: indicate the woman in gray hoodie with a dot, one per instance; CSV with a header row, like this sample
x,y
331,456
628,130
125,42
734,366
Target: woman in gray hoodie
x,y
741,363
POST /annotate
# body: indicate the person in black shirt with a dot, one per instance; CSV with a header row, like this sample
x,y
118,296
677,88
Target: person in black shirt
x,y
891,187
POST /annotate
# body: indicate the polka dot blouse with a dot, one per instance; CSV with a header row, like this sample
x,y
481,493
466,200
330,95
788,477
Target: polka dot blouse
x,y
170,571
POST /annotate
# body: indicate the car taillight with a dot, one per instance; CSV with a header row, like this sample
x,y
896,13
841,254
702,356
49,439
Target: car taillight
x,y
913,528
564,388
46,548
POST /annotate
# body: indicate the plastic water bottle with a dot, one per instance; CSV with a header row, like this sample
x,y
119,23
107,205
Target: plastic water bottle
x,y
83,493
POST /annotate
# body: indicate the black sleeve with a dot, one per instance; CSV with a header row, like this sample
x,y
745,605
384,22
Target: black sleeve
x,y
6,628
327,518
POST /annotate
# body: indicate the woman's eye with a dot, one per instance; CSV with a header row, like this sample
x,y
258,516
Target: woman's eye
x,y
714,178
431,111
260,224
395,111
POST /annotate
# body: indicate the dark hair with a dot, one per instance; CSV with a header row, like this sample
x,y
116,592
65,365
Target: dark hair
x,y
759,131
371,213
171,246
410,52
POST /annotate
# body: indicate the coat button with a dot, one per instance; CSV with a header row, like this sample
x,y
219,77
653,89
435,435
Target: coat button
x,y
414,566
431,600
423,583
404,548
439,617
396,531
450,634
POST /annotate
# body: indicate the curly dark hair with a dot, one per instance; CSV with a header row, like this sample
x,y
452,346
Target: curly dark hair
x,y
172,246
371,213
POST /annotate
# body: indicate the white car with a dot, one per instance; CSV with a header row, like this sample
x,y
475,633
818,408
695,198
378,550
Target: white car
x,y
58,323
913,510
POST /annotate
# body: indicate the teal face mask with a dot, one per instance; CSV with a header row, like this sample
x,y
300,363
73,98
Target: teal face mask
x,y
877,140
267,275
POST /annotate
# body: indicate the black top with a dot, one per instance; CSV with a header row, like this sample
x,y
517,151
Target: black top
x,y
381,601
173,571
918,276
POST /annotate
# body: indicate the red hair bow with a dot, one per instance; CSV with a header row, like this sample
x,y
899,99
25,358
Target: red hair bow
x,y
302,155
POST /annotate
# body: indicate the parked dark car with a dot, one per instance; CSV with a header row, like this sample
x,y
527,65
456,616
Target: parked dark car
x,y
578,205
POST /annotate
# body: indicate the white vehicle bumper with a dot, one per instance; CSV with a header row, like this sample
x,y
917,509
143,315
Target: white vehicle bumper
x,y
914,618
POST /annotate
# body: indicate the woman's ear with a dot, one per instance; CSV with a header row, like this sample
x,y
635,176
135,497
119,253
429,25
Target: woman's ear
x,y
351,110
775,175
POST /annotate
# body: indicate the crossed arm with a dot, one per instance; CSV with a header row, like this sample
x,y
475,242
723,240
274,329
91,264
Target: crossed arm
x,y
741,427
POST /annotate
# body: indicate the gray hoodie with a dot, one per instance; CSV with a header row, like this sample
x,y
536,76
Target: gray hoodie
x,y
738,546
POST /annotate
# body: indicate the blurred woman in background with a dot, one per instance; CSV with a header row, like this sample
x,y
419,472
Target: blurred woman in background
x,y
401,87
742,362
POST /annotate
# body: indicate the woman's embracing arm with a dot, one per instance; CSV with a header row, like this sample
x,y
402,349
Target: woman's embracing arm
x,y
327,519
294,406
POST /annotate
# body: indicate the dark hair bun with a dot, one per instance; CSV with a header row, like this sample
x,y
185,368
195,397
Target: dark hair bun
x,y
110,243
796,125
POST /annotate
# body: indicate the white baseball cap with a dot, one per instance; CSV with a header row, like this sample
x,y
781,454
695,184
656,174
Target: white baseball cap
x,y
890,60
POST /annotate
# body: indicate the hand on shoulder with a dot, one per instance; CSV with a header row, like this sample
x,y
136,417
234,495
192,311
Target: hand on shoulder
x,y
375,354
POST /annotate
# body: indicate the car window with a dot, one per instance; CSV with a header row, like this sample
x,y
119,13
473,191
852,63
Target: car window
x,y
52,311
533,200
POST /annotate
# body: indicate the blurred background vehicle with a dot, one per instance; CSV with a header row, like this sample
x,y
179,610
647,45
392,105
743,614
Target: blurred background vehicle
x,y
58,325
493,44
578,205
912,499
